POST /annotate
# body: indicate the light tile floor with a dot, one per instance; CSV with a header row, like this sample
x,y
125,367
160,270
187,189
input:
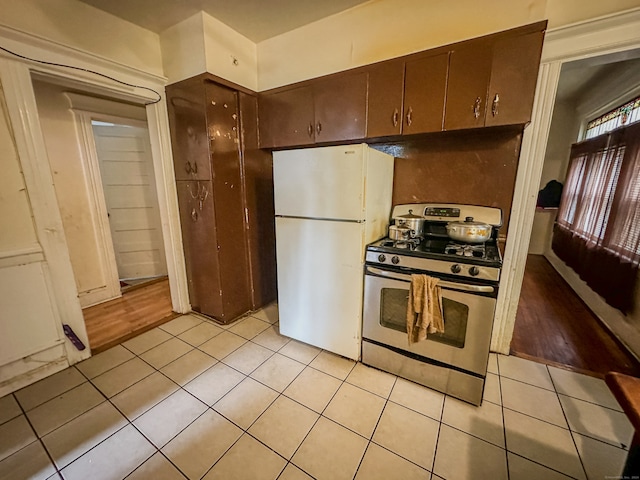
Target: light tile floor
x,y
194,399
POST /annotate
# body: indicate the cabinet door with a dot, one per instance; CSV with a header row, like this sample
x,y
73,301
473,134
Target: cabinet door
x,y
197,220
425,89
340,106
469,71
386,90
286,118
223,121
514,74
188,127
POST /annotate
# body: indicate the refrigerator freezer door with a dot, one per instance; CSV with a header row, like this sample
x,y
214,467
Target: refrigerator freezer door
x,y
320,288
325,182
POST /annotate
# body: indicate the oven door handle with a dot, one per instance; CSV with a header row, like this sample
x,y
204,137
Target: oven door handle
x,y
465,287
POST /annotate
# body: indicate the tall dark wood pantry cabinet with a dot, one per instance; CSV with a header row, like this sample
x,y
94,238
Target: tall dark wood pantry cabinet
x,y
229,272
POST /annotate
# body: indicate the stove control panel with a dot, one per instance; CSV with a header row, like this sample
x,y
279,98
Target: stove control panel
x,y
437,266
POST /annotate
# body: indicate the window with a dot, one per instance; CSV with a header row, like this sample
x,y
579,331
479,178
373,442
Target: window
x,y
598,228
623,115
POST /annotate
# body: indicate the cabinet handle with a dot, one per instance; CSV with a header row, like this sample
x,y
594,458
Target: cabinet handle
x,y
395,117
494,105
318,128
187,167
410,117
476,107
310,130
195,168
194,215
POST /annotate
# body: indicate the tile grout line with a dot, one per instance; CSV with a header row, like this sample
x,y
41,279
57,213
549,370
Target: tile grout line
x,y
566,419
435,450
38,438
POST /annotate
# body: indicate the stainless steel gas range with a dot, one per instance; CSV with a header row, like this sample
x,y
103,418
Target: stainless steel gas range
x,y
455,361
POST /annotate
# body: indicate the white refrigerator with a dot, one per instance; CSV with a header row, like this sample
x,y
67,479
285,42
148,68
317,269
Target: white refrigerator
x,y
330,202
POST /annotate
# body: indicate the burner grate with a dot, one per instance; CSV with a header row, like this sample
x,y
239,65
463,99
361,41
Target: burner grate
x,y
466,250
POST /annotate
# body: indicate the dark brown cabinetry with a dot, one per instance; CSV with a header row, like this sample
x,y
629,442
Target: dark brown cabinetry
x,y
514,74
407,97
469,73
492,81
386,94
327,110
487,81
425,87
212,178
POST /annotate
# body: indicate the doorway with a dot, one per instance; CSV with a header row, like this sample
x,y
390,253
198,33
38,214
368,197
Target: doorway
x,y
126,170
545,328
103,175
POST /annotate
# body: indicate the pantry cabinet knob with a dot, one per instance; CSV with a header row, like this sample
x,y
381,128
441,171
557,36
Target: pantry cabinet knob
x,y
476,107
494,105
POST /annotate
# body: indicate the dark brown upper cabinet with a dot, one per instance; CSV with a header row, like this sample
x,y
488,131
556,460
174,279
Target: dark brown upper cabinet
x,y
386,93
492,81
340,106
425,87
514,74
286,117
327,110
469,74
487,81
407,97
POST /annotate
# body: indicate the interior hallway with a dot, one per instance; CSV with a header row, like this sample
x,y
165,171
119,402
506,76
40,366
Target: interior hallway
x,y
140,308
554,326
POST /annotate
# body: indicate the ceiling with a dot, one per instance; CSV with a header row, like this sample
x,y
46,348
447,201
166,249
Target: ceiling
x,y
579,77
255,19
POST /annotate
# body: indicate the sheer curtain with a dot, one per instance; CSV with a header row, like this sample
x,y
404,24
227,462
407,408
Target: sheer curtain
x,y
598,228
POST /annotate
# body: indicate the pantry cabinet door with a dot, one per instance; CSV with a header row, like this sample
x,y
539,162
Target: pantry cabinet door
x,y
188,129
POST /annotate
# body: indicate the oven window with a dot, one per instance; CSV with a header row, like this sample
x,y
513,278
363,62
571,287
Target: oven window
x,y
393,314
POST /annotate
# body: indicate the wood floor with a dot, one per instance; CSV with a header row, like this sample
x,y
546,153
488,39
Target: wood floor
x,y
138,310
554,326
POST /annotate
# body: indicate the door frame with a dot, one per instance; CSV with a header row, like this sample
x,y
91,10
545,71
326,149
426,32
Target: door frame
x,y
86,109
601,36
22,109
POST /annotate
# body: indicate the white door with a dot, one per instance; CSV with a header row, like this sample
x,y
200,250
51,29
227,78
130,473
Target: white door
x,y
325,182
320,282
126,168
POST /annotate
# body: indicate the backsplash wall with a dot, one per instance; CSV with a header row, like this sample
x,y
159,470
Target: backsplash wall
x,y
475,167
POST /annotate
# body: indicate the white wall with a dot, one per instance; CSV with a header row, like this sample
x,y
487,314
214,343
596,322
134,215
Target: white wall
x,y
183,53
383,29
201,44
82,26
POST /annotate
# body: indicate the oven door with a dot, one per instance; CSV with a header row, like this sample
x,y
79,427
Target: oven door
x,y
468,311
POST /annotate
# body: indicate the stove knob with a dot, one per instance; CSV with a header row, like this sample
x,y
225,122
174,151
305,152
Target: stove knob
x,y
455,268
381,258
474,271
395,260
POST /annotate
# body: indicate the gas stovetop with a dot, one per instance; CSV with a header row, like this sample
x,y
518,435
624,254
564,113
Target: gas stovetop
x,y
438,253
442,249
